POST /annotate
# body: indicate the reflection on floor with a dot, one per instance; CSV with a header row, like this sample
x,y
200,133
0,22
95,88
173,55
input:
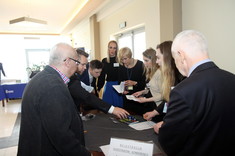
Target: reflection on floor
x,y
9,127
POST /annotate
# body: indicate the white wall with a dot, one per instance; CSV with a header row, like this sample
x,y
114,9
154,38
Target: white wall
x,y
13,55
216,20
136,13
81,36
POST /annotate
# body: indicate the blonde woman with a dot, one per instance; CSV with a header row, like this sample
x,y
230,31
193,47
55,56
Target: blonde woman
x,y
170,75
132,73
151,97
110,75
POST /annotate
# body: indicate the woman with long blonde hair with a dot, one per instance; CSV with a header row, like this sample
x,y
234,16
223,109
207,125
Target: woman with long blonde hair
x,y
110,75
170,77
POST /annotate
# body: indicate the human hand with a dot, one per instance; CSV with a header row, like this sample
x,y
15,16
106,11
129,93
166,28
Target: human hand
x,y
120,113
93,91
141,99
125,92
130,83
137,94
149,115
157,126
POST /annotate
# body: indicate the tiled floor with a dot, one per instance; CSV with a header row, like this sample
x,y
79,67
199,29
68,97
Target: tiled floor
x,y
9,127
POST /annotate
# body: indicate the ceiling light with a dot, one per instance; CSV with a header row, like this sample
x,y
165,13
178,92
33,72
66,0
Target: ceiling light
x,y
27,21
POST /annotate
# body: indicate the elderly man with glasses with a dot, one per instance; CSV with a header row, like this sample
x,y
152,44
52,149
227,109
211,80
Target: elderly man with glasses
x,y
50,124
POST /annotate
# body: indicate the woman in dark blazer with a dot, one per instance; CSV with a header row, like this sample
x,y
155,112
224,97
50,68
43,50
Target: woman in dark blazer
x,y
109,76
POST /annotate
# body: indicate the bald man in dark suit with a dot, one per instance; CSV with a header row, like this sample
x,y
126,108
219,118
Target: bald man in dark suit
x,y
200,118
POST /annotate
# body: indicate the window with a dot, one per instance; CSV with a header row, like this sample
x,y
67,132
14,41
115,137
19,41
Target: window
x,y
135,40
37,58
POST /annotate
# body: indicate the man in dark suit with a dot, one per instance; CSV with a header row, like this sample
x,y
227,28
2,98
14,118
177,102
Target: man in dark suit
x,y
80,95
50,124
1,71
90,75
200,118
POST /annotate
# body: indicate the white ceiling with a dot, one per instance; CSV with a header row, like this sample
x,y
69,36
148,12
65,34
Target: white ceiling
x,y
61,15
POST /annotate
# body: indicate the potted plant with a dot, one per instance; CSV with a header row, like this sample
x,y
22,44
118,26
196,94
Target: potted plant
x,y
32,71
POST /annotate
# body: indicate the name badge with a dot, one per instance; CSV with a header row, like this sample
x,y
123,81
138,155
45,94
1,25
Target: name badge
x,y
116,65
165,108
130,88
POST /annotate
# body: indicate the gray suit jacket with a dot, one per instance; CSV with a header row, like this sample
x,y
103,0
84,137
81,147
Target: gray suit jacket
x,y
50,124
200,119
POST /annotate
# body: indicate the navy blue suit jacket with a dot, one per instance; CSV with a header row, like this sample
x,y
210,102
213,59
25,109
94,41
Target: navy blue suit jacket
x,y
85,79
200,119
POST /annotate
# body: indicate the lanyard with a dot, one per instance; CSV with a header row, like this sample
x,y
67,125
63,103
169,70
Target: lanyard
x,y
129,73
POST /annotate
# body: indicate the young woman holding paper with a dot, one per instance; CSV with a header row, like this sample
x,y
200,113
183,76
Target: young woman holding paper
x,y
151,97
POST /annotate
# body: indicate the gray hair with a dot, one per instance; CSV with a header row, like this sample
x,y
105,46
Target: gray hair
x,y
190,41
60,52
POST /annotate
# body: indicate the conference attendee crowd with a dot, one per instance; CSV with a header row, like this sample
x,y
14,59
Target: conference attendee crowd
x,y
177,86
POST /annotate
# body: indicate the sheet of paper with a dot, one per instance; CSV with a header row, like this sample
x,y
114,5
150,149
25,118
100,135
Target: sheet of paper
x,y
128,147
142,125
105,149
119,88
131,97
86,87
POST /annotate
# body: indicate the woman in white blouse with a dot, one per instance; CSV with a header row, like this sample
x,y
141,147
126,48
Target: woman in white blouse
x,y
152,96
170,77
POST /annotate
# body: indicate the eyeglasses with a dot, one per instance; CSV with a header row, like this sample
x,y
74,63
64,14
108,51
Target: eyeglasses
x,y
76,61
83,64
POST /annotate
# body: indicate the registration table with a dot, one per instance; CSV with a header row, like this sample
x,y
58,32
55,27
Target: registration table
x,y
10,91
101,128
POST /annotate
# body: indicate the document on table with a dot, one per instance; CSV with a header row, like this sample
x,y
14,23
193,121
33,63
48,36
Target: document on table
x,y
131,97
142,125
105,149
119,88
